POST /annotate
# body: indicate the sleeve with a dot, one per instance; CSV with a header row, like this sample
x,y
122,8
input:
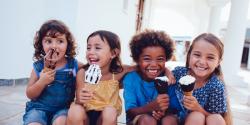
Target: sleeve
x,y
177,71
129,92
217,99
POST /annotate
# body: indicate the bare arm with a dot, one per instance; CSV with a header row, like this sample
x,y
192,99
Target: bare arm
x,y
170,76
129,68
80,64
126,69
159,104
82,93
36,85
79,83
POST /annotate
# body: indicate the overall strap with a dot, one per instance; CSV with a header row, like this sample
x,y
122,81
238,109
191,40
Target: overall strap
x,y
72,65
38,65
71,62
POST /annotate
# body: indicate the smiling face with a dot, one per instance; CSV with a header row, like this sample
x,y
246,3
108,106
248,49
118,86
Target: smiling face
x,y
152,62
98,52
204,58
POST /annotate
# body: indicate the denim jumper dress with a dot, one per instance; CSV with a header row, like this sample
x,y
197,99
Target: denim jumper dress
x,y
56,96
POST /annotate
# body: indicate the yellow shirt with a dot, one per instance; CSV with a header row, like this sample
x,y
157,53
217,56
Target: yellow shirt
x,y
106,93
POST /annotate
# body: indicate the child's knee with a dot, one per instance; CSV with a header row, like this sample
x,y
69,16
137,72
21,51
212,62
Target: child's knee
x,y
195,117
146,120
110,110
34,123
76,112
170,120
60,120
215,119
109,113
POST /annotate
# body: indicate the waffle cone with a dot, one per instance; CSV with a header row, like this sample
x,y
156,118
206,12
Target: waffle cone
x,y
188,93
45,69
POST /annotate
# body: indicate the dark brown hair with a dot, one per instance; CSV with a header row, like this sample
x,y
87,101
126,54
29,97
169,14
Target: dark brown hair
x,y
52,28
114,43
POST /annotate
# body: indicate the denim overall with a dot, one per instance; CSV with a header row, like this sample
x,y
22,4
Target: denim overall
x,y
56,96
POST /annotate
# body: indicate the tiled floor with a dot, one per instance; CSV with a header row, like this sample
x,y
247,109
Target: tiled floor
x,y
12,102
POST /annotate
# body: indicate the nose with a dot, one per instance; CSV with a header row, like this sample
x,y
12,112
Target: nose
x,y
91,51
202,60
53,45
153,63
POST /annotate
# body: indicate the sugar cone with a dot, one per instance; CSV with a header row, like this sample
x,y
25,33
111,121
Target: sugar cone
x,y
188,93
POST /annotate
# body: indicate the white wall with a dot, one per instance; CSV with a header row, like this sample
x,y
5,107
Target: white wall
x,y
178,17
107,16
21,19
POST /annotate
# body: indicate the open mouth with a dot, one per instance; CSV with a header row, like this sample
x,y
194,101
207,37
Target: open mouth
x,y
200,68
93,61
153,72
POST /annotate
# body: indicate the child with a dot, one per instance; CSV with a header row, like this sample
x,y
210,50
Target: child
x,y
51,86
143,104
208,104
104,104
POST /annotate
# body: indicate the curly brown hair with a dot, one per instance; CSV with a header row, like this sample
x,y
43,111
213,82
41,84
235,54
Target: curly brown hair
x,y
149,38
52,28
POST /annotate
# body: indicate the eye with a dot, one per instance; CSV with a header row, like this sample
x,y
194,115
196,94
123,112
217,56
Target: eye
x,y
98,47
47,41
60,41
196,55
146,59
161,59
210,57
88,47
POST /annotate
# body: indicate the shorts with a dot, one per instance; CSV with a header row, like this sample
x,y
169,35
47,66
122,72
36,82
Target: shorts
x,y
42,117
136,118
93,116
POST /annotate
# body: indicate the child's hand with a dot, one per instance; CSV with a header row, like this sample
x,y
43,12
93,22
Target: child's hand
x,y
158,114
50,59
161,102
47,77
170,76
171,79
85,95
191,103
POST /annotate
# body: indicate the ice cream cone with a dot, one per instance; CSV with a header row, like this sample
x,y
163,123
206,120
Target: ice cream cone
x,y
187,84
46,69
93,74
188,93
161,84
50,60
